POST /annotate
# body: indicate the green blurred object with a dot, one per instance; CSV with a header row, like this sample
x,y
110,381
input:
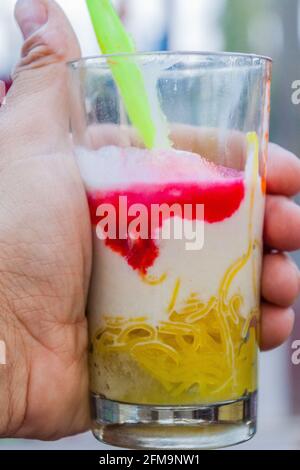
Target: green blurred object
x,y
113,39
252,27
236,19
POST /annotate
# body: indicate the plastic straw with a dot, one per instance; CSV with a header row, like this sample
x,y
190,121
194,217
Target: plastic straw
x,y
113,39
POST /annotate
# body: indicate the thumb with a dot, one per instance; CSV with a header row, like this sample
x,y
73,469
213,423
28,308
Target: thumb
x,y
36,115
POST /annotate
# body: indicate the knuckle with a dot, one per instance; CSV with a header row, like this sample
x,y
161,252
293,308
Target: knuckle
x,y
43,48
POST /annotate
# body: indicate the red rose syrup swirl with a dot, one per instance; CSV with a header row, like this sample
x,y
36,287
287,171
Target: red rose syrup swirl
x,y
221,199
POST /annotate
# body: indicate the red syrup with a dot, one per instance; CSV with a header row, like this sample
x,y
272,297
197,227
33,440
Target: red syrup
x,y
221,199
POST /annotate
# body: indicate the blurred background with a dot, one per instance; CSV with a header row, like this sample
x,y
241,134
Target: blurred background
x,y
268,27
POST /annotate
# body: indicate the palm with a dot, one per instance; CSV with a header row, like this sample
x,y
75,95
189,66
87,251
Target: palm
x,y
48,243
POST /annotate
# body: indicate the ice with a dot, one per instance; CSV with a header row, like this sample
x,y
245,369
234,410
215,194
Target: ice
x,y
117,167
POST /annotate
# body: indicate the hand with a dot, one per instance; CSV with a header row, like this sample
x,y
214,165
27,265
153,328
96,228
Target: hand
x,y
280,277
45,254
45,247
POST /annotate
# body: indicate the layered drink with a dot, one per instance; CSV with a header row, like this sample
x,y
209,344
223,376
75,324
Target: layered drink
x,y
171,323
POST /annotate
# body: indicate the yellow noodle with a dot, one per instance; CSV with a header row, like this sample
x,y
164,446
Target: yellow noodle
x,y
174,295
148,329
152,280
197,315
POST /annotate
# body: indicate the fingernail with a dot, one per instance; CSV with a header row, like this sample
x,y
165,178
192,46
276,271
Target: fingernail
x,y
31,15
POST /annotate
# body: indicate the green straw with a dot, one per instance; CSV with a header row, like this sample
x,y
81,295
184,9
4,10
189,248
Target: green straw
x,y
113,39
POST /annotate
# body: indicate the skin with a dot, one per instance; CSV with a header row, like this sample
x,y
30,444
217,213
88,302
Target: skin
x,y
45,255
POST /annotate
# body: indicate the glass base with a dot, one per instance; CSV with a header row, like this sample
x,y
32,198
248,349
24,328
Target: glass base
x,y
174,427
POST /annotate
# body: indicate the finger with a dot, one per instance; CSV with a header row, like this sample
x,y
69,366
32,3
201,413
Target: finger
x,y
276,326
280,280
35,116
283,175
229,148
282,224
100,135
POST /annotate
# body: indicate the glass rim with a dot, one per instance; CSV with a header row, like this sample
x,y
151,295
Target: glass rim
x,y
84,61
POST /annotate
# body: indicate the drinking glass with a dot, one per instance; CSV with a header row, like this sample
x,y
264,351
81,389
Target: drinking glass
x,y
174,325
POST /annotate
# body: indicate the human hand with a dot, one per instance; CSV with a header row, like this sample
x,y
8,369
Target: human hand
x,y
280,276
45,254
45,248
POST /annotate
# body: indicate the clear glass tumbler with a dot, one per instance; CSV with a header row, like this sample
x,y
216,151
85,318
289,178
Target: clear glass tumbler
x,y
174,299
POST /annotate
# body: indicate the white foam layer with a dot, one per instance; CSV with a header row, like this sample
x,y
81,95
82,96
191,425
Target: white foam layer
x,y
115,167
